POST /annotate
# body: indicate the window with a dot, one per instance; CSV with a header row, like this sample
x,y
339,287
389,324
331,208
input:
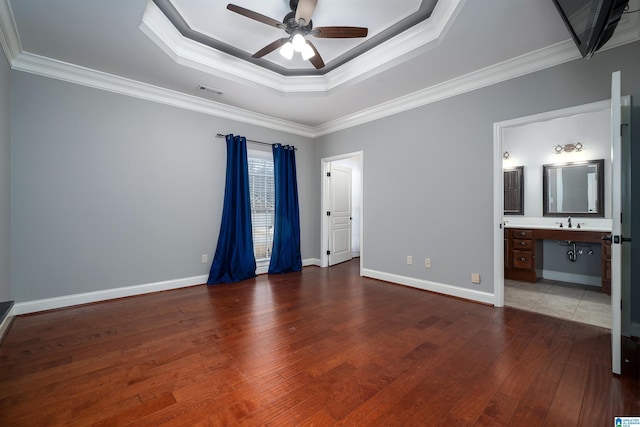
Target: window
x,y
262,193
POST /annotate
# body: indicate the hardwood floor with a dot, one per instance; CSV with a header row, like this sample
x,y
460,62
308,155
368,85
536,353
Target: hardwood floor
x,y
320,347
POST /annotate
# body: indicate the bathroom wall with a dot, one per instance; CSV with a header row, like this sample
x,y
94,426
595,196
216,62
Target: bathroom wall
x,y
532,145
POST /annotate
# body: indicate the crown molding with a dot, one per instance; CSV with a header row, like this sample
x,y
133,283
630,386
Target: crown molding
x,y
189,53
9,39
59,70
628,31
400,48
525,64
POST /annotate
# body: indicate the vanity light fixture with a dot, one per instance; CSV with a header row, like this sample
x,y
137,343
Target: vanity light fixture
x,y
506,155
568,148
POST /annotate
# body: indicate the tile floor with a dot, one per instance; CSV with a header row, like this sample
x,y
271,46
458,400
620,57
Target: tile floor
x,y
571,301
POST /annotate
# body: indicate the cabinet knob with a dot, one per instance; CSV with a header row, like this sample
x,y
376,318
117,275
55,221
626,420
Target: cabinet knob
x,y
523,259
523,243
522,233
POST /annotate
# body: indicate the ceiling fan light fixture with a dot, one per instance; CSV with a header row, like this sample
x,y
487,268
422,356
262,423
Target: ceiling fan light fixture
x,y
297,24
307,52
298,42
287,50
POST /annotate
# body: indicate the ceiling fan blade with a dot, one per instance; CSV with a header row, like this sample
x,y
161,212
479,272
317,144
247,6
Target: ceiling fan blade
x,y
255,16
316,59
305,10
270,48
340,32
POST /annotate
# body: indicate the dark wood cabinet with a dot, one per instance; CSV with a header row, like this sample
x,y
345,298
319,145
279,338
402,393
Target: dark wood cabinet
x,y
520,258
507,251
606,267
523,252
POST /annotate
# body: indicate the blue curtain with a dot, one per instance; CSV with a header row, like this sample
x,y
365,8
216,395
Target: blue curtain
x,y
285,256
234,259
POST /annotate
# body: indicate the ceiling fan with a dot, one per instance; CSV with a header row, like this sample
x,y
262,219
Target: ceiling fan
x,y
297,24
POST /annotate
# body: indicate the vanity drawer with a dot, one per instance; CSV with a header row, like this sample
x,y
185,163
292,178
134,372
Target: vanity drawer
x,y
521,234
522,259
519,244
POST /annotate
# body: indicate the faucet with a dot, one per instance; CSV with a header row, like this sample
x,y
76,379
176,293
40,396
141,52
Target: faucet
x,y
569,222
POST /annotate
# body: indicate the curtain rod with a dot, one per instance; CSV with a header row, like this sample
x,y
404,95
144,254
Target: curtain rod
x,y
219,135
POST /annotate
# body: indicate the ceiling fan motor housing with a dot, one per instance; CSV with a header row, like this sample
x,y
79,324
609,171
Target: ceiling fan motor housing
x,y
290,22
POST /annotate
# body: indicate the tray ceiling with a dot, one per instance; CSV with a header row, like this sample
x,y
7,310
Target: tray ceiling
x,y
131,47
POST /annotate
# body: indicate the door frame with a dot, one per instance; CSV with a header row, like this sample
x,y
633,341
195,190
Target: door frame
x,y
498,186
324,226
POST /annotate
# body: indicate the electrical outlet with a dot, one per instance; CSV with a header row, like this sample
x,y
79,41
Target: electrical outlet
x,y
427,262
205,258
475,278
409,260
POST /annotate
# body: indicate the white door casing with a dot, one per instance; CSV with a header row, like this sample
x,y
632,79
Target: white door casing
x,y
617,104
339,213
619,107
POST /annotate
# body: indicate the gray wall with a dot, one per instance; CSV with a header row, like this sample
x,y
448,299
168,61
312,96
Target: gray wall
x,y
428,172
5,180
112,191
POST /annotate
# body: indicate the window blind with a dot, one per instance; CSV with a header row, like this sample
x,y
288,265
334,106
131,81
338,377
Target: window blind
x,y
262,190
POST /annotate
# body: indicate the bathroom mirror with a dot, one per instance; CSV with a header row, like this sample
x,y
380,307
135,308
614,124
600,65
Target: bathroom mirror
x,y
514,190
573,189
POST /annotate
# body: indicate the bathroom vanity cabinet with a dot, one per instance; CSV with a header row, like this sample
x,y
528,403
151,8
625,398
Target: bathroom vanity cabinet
x,y
523,251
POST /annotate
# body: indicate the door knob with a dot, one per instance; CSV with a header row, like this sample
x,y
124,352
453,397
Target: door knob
x,y
616,239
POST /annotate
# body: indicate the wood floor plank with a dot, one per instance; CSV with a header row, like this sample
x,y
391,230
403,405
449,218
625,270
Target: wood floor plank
x,y
567,400
499,411
319,347
480,396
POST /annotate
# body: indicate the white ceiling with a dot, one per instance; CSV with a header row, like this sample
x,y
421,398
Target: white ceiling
x,y
126,46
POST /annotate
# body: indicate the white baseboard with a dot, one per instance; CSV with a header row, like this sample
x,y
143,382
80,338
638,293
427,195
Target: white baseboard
x,y
572,278
311,261
441,288
4,326
107,294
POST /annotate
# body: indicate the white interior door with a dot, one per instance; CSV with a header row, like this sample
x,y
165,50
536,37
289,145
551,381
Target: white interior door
x,y
619,194
339,214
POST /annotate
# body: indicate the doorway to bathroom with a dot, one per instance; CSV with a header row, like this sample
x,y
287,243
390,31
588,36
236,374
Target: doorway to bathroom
x,y
566,277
